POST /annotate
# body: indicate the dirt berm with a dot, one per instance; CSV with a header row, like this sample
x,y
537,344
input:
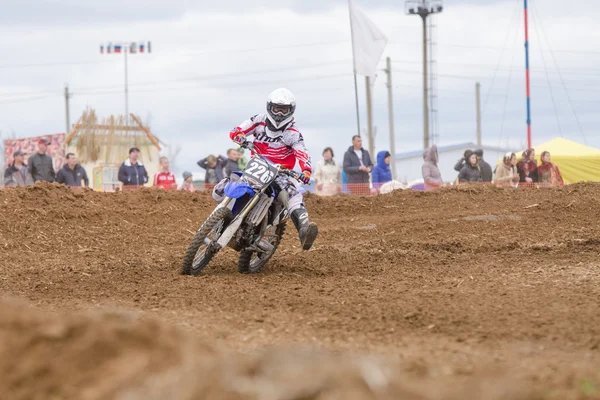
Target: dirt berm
x,y
469,293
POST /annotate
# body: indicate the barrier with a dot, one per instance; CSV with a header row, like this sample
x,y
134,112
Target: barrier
x,y
366,190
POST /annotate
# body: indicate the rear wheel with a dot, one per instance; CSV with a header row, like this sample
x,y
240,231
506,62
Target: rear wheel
x,y
254,263
199,253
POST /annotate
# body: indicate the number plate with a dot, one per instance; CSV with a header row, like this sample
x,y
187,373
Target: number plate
x,y
260,172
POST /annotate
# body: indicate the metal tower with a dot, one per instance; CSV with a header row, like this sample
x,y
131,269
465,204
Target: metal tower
x,y
433,81
425,8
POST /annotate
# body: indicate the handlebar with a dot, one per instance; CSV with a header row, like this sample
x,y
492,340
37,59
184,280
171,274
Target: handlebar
x,y
250,146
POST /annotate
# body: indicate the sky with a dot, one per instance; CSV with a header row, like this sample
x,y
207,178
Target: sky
x,y
213,64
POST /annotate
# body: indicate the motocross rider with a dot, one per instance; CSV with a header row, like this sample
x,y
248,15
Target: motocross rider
x,y
277,139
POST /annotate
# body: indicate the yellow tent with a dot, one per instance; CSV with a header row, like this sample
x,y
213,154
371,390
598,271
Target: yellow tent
x,y
577,162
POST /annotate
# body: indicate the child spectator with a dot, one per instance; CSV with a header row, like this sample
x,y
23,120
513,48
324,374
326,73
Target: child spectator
x,y
164,178
382,172
548,172
188,182
214,170
470,172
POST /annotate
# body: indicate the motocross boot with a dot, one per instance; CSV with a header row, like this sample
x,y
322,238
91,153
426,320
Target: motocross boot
x,y
307,231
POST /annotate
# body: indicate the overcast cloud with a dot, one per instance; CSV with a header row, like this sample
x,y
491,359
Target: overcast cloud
x,y
213,64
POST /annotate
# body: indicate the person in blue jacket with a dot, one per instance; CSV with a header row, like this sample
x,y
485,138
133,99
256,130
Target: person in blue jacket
x,y
132,172
382,172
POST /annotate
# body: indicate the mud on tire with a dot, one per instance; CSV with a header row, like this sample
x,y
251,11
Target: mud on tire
x,y
251,263
218,220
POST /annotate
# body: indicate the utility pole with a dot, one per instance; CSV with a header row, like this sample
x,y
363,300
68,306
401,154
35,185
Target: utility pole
x,y
391,116
478,110
370,117
424,8
67,112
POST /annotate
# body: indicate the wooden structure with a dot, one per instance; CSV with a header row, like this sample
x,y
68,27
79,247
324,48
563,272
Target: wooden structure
x,y
102,145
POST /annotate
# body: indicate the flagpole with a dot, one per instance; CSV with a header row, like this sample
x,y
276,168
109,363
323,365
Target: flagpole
x,y
527,81
126,89
354,69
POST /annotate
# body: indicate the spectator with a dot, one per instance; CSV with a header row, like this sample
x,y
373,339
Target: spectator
x,y
17,174
461,163
71,174
358,166
214,170
382,172
188,182
164,178
485,168
527,167
132,172
345,182
506,173
232,162
431,173
328,175
242,162
470,172
548,172
41,166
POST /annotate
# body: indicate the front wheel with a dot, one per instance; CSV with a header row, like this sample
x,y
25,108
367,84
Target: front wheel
x,y
199,253
254,263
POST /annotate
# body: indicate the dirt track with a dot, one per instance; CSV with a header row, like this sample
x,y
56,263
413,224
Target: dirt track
x,y
455,286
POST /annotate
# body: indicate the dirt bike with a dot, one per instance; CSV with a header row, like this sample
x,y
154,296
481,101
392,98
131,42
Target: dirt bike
x,y
251,219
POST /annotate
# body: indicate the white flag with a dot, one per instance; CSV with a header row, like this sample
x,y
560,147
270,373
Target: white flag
x,y
368,42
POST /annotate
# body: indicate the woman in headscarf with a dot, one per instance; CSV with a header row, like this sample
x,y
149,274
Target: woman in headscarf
x,y
548,172
328,175
506,173
431,173
527,167
470,172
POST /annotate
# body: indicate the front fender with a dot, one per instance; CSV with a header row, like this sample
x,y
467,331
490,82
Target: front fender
x,y
235,190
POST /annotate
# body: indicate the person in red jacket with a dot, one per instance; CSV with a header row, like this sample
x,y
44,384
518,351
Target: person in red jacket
x,y
277,138
165,178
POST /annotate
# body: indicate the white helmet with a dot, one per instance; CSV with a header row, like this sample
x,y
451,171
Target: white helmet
x,y
281,105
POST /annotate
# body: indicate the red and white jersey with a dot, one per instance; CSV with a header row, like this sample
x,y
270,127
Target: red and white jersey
x,y
282,147
165,180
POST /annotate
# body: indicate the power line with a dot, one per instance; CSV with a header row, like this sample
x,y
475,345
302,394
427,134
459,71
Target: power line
x,y
52,64
536,15
512,60
512,21
235,84
27,99
548,78
216,76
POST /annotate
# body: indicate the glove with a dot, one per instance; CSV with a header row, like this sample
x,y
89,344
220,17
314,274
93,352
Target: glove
x,y
305,177
240,138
